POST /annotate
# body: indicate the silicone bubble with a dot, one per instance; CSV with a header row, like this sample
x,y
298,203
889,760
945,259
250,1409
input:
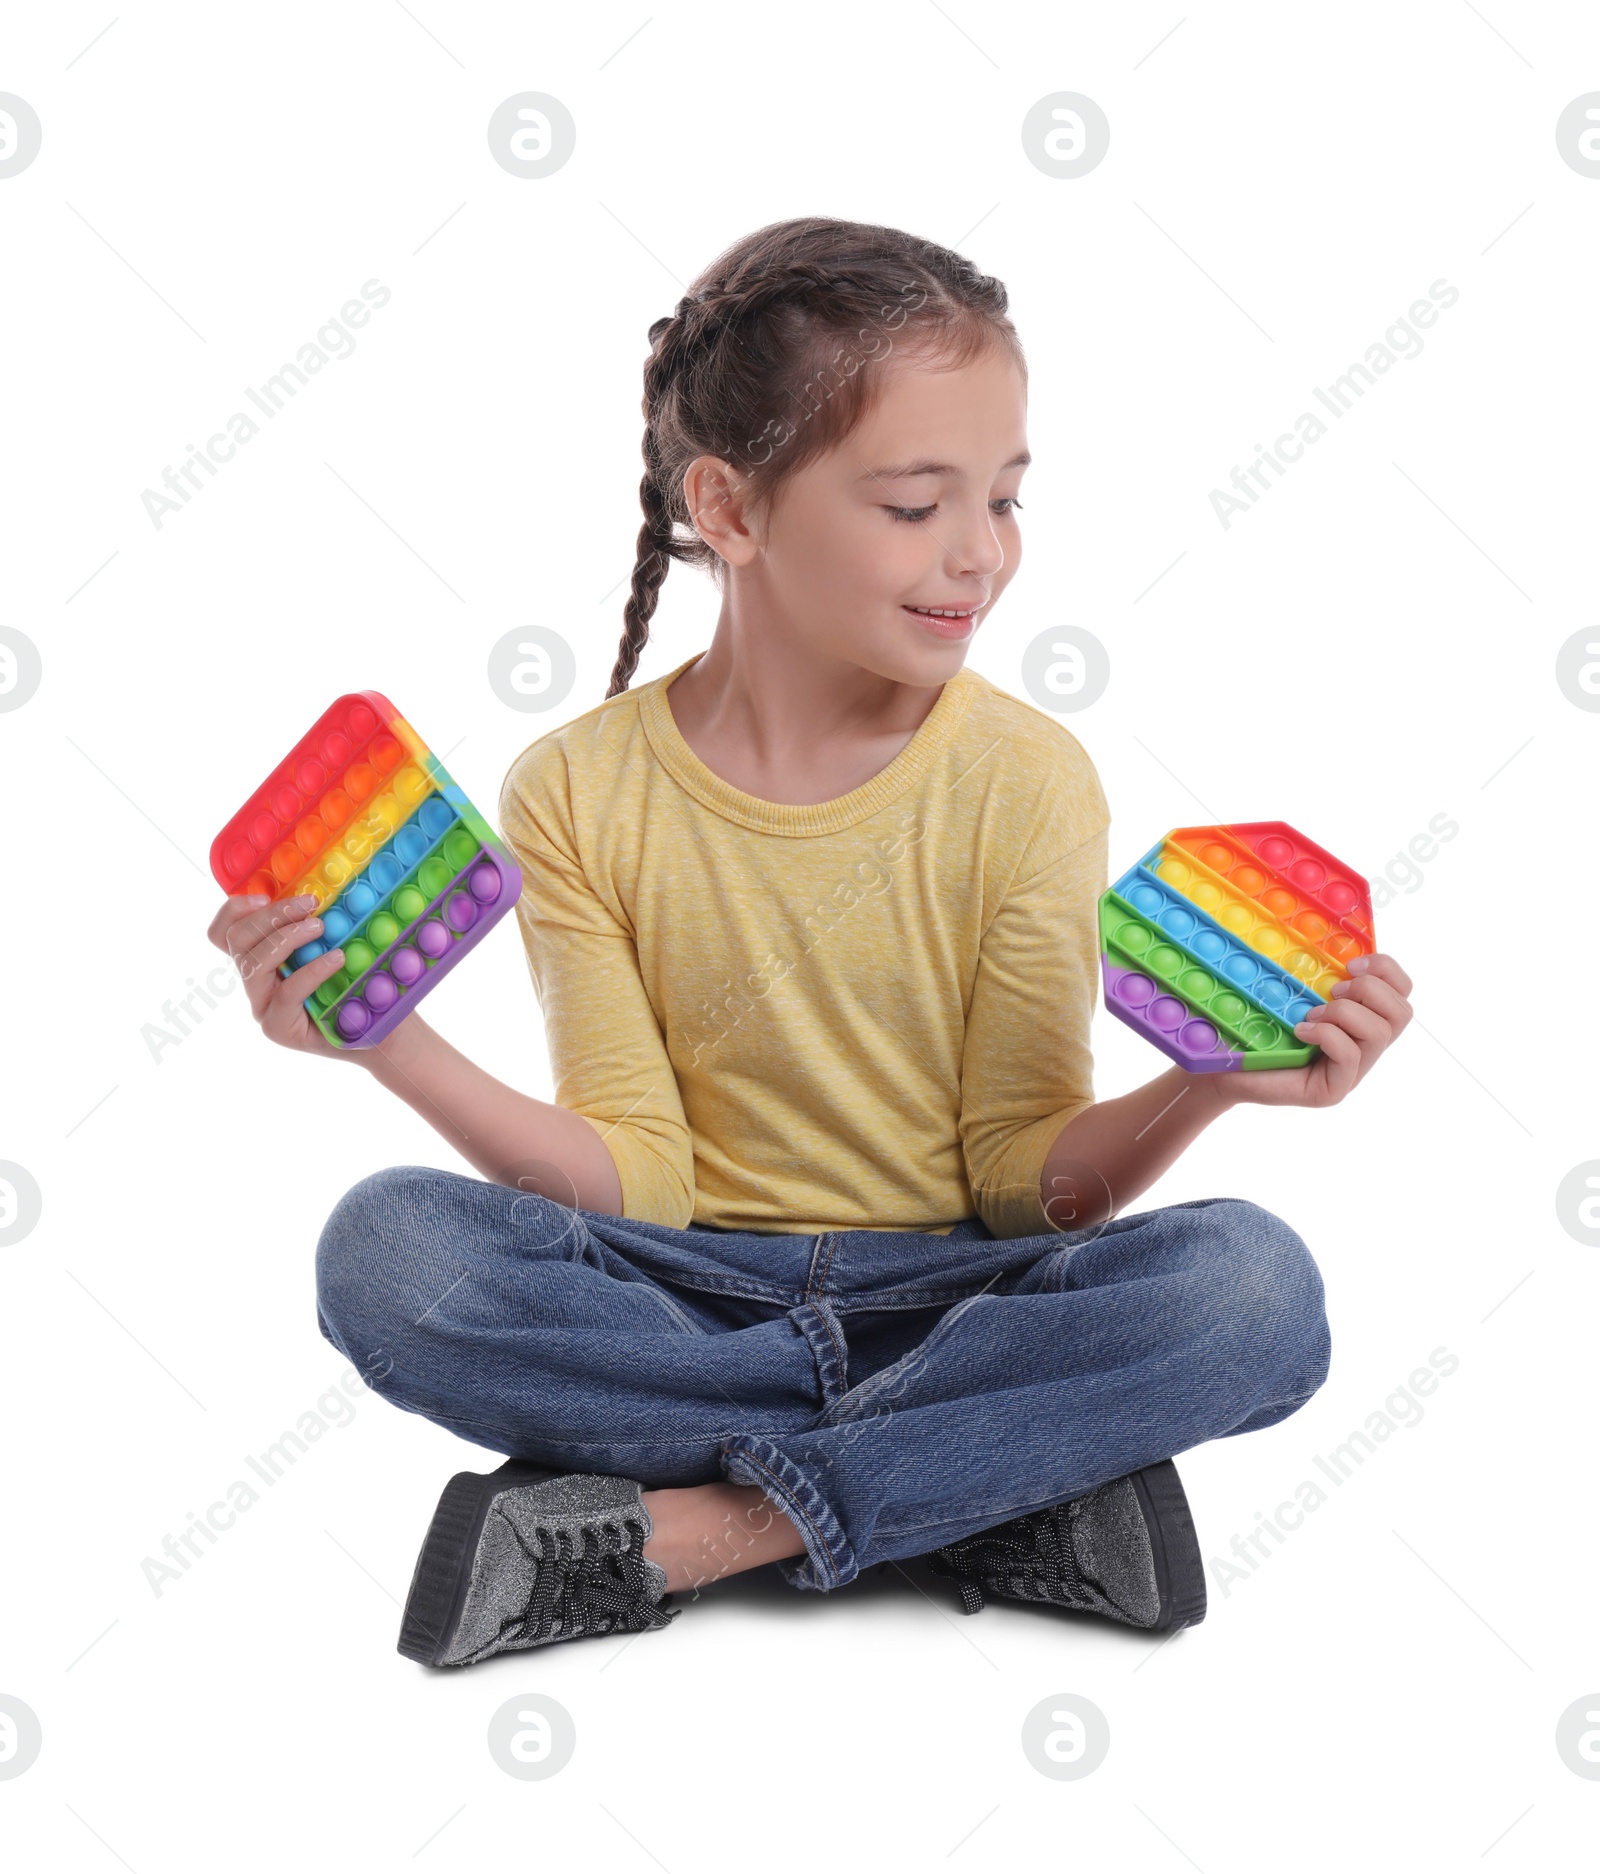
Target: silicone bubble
x,y
1198,1037
383,930
409,904
484,884
1167,1012
307,953
336,750
353,1019
406,965
410,785
385,754
358,956
433,877
460,913
385,873
1136,991
460,849
410,845
361,722
360,899
337,924
240,856
336,809
263,830
310,776
360,781
434,817
380,994
287,861
384,815
432,938
1134,938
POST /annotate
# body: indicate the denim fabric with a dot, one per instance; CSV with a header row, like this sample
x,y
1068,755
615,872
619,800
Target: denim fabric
x,y
890,1391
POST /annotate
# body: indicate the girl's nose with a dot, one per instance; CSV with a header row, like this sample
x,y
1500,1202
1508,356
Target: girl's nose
x,y
975,547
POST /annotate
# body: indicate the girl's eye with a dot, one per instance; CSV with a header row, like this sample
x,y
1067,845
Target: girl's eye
x,y
1005,505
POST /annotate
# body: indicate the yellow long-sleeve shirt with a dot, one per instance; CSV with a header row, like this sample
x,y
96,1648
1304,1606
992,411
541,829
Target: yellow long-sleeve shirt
x,y
871,1013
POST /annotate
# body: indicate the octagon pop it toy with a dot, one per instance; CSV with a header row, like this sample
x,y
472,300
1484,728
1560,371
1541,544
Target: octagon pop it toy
x,y
407,875
1221,938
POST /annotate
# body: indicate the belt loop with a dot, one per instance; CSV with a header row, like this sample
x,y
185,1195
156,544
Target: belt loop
x,y
821,1258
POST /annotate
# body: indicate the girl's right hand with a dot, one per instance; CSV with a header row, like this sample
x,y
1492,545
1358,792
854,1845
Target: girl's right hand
x,y
259,935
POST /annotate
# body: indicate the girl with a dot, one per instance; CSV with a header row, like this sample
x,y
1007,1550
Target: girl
x,y
816,1259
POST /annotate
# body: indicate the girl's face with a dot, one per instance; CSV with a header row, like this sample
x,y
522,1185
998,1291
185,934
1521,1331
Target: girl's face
x,y
865,553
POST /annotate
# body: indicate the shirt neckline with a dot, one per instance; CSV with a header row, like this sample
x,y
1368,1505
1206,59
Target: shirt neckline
x,y
825,816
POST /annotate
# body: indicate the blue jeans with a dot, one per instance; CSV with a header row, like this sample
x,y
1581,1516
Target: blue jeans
x,y
889,1391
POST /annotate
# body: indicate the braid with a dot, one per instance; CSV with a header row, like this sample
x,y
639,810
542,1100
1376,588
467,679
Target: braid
x,y
651,557
754,342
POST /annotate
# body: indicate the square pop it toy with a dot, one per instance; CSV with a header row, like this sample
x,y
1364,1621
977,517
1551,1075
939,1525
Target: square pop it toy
x,y
407,874
1221,938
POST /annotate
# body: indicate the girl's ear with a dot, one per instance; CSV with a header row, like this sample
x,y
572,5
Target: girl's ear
x,y
719,503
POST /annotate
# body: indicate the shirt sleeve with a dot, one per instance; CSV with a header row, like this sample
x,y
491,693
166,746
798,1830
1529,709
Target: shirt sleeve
x,y
1026,1063
608,1059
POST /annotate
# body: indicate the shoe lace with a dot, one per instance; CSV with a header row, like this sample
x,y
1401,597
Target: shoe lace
x,y
1033,1552
586,1584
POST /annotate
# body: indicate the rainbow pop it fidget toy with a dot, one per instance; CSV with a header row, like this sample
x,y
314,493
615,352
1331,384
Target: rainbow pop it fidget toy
x,y
406,873
1221,938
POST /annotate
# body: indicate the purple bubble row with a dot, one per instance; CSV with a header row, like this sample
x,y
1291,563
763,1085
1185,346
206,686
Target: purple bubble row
x,y
408,961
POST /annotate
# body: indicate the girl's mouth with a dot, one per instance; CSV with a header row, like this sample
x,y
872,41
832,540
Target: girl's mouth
x,y
946,621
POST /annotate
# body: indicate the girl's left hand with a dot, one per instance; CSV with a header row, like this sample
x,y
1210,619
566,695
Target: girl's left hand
x,y
1367,1012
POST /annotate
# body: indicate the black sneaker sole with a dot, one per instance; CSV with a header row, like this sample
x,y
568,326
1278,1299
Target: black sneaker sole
x,y
1174,1546
444,1567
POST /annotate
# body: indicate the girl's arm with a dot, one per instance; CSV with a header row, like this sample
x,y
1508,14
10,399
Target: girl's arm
x,y
508,1136
1107,1154
502,1133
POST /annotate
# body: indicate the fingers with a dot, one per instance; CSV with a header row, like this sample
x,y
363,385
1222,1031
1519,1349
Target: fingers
x,y
1343,1056
231,912
1375,993
1351,1035
1382,967
243,922
263,940
282,1014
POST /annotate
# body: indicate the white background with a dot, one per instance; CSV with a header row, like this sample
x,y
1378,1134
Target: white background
x,y
1371,646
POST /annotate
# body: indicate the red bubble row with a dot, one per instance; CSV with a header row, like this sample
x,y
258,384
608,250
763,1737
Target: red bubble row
x,y
279,809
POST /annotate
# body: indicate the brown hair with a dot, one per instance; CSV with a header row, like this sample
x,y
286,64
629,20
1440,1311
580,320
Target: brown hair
x,y
760,364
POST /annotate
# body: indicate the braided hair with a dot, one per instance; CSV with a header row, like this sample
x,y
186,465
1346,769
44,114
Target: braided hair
x,y
762,364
